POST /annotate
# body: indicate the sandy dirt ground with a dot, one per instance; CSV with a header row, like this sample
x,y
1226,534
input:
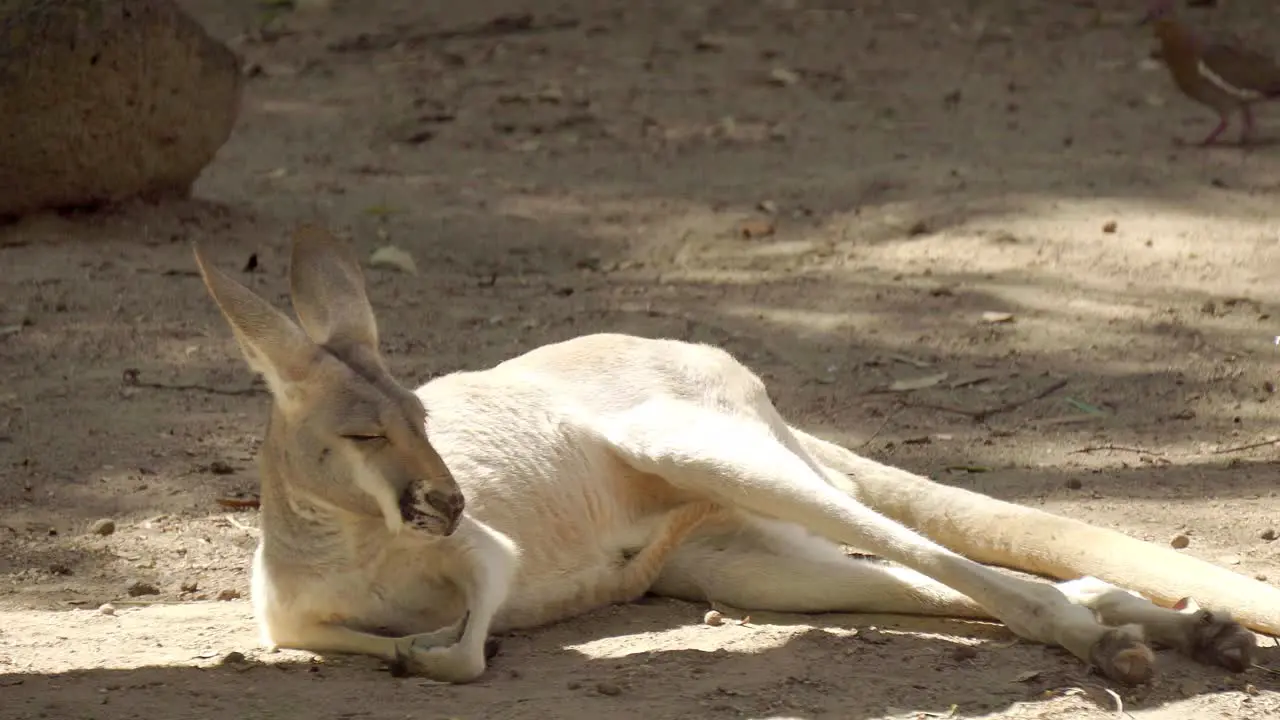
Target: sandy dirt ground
x,y
983,199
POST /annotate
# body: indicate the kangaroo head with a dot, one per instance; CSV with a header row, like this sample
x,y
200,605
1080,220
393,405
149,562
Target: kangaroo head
x,y
343,434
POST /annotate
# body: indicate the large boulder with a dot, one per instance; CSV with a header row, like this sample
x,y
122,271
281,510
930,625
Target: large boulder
x,y
105,100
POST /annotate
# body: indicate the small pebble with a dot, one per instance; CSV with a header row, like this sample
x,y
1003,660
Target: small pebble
x,y
107,609
608,688
713,617
233,657
783,77
1179,541
104,527
1074,484
1269,534
873,636
219,467
1109,226
229,594
189,586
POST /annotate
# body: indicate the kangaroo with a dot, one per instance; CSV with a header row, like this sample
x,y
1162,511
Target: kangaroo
x,y
411,526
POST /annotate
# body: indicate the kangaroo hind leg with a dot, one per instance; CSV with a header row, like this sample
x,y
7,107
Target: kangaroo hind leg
x,y
742,461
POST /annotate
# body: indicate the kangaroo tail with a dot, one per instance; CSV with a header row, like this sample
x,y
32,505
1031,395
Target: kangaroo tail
x,y
1008,535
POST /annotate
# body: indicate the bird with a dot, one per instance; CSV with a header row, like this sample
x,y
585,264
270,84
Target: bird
x,y
1218,73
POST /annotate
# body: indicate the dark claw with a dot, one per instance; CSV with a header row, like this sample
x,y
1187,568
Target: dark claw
x,y
492,646
400,666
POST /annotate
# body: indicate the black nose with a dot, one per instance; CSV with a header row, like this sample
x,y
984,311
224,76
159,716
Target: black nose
x,y
448,504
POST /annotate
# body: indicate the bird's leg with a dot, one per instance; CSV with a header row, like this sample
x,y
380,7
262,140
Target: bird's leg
x,y
1222,125
1246,133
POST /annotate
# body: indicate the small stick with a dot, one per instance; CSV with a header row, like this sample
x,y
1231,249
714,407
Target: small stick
x,y
1116,448
1250,446
887,419
130,379
247,528
982,415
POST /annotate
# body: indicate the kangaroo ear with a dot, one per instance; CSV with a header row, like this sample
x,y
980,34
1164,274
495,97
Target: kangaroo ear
x,y
328,293
273,345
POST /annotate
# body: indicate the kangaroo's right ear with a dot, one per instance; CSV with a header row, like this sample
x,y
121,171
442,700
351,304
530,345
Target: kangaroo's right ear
x,y
273,344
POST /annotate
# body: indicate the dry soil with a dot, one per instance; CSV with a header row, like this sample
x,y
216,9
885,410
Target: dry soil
x,y
979,198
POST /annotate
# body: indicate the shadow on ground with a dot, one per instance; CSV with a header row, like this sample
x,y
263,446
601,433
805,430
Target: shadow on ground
x,y
832,666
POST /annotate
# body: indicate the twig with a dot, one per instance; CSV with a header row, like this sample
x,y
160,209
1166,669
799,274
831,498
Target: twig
x,y
247,528
198,388
1266,669
504,25
887,419
239,503
130,379
1116,448
983,414
1250,446
1119,702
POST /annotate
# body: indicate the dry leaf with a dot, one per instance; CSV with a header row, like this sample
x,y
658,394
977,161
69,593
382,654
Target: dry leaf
x,y
756,228
390,256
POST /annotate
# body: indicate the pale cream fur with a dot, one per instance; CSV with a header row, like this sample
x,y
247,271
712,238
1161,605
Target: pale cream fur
x,y
606,466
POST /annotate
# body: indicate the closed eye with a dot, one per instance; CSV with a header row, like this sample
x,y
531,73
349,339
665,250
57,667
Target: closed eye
x,y
364,437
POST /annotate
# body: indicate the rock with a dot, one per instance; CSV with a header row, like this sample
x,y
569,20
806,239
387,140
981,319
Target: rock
x,y
783,77
1179,541
105,526
964,652
228,595
1269,534
608,688
189,586
106,100
713,617
138,588
107,609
